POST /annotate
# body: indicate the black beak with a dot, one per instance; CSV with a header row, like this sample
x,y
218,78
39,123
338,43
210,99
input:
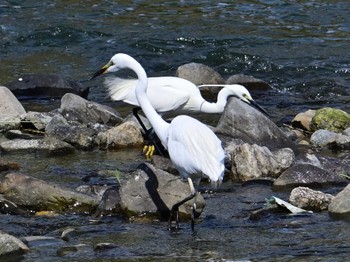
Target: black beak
x,y
99,72
258,107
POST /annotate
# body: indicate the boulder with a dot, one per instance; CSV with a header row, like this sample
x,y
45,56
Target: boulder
x,y
45,86
125,135
249,82
303,120
9,105
37,195
241,121
151,190
340,205
10,245
72,132
76,108
307,175
253,161
309,199
48,145
325,138
199,74
331,119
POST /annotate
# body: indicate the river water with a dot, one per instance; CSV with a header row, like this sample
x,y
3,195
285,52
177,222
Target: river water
x,y
300,48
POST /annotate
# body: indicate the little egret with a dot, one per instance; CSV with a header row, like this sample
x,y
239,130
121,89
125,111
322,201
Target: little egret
x,y
193,148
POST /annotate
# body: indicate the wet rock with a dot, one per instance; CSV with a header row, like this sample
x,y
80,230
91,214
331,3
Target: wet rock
x,y
11,245
125,135
47,145
309,199
41,86
253,161
9,105
110,202
199,74
303,120
325,138
164,163
35,194
249,82
7,165
340,205
241,121
151,190
306,175
36,120
18,134
331,119
76,108
71,132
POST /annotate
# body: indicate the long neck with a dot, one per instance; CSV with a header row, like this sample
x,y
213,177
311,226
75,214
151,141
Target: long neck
x,y
158,124
219,106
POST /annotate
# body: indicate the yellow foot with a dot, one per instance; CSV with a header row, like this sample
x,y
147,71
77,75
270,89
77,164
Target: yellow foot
x,y
148,150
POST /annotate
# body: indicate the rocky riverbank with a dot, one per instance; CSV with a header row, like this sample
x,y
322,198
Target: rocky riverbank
x,y
289,158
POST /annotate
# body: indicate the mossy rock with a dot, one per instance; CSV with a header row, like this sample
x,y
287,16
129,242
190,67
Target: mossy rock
x,y
331,119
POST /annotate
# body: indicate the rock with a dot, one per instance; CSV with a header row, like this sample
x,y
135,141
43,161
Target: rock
x,y
18,134
71,132
306,175
324,138
41,86
7,165
35,194
76,108
241,121
36,120
11,245
199,74
249,82
150,190
125,135
309,199
303,120
331,119
9,105
252,161
340,205
48,145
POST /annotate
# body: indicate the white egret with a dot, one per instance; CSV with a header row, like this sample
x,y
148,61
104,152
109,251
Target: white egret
x,y
176,94
193,148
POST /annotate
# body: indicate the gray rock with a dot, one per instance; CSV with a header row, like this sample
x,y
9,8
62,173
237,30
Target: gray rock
x,y
9,105
48,145
125,135
151,190
249,82
309,199
72,132
76,108
340,205
306,175
10,245
45,86
199,74
241,121
35,194
324,138
36,120
252,161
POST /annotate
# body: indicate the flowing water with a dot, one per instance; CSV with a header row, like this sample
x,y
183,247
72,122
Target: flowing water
x,y
300,48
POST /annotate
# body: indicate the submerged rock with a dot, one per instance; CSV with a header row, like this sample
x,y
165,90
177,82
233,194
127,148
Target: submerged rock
x,y
249,82
309,199
35,194
241,121
340,205
41,86
331,119
199,74
151,190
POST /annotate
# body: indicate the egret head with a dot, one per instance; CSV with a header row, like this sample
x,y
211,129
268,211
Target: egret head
x,y
243,94
117,62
